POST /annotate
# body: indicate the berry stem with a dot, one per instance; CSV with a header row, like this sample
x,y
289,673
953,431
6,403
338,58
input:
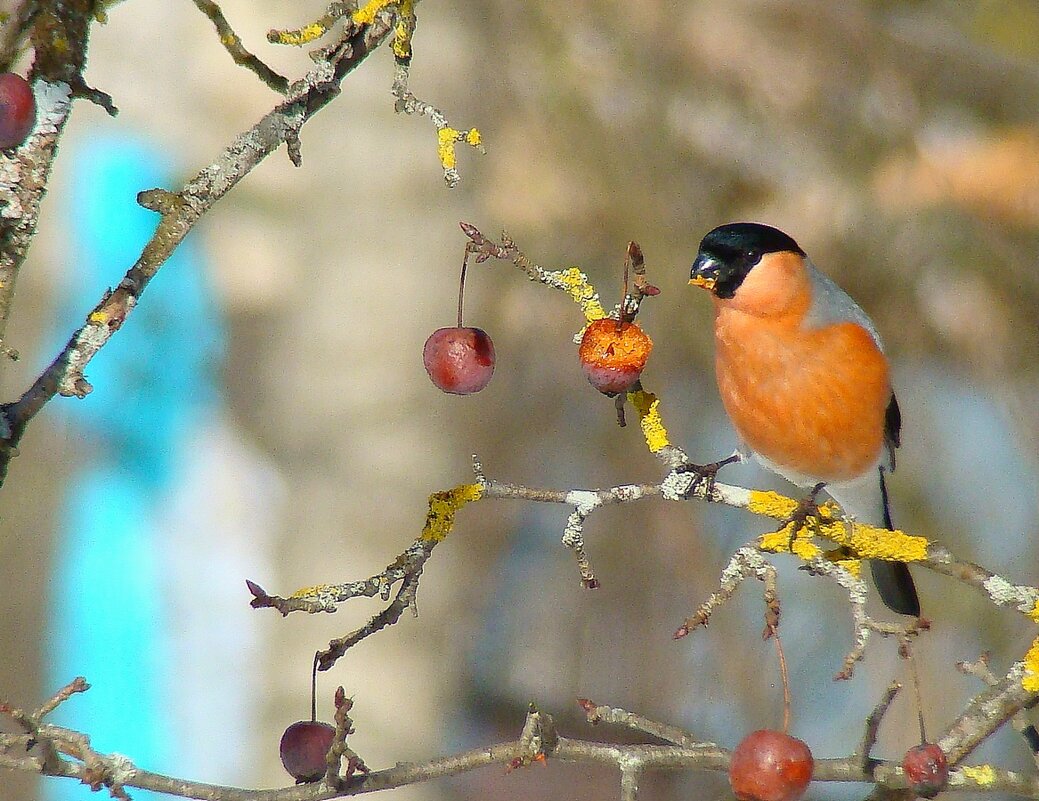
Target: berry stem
x,y
461,281
313,691
624,291
785,678
916,692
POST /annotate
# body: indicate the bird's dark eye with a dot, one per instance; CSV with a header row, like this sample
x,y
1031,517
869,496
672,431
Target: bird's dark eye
x,y
753,256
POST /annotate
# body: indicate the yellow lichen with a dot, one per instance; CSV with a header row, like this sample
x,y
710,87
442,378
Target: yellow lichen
x,y
981,775
442,509
771,504
868,542
575,283
366,15
446,139
779,542
871,542
299,37
806,549
648,407
839,556
98,318
404,29
312,592
1034,614
1030,681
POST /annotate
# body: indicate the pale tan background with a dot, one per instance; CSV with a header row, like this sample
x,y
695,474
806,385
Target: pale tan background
x,y
898,144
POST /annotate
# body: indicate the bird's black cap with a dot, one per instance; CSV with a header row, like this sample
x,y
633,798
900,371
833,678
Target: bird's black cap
x,y
744,237
730,251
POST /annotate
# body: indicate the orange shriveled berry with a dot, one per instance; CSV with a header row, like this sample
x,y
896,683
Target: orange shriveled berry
x,y
613,354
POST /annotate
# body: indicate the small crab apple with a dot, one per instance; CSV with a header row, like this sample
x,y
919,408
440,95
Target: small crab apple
x,y
459,360
613,354
770,765
304,746
614,350
926,768
17,110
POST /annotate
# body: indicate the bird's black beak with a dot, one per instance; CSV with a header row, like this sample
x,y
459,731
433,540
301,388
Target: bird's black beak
x,y
705,271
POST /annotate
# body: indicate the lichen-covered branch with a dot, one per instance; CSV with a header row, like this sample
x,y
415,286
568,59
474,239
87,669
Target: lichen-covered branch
x,y
571,281
981,670
986,713
751,560
447,137
23,181
60,34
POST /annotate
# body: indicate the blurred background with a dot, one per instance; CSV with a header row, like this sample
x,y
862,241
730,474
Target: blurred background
x,y
265,414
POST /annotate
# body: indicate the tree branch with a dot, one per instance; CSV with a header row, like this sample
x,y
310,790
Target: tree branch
x,y
180,211
538,741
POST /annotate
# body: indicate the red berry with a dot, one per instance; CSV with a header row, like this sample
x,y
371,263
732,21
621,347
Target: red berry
x,y
613,354
459,360
770,766
304,746
926,769
17,110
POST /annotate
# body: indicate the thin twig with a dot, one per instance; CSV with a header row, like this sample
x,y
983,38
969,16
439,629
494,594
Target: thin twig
x,y
233,45
872,728
597,714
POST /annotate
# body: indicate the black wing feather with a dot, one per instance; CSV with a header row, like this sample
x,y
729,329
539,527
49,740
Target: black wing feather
x,y
892,429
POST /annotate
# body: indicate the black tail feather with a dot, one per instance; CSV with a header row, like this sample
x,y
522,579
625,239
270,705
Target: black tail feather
x,y
896,587
894,581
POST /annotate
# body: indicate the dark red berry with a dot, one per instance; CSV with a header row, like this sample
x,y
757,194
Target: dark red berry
x,y
769,765
613,355
459,360
926,768
304,746
17,110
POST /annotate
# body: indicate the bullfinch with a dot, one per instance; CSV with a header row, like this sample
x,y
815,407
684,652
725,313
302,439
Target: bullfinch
x,y
804,379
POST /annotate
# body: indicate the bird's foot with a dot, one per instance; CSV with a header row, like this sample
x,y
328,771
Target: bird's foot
x,y
705,475
807,508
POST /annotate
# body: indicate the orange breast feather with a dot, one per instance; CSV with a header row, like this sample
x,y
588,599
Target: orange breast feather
x,y
809,400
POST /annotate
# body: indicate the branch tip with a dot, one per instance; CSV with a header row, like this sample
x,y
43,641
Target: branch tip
x,y
232,43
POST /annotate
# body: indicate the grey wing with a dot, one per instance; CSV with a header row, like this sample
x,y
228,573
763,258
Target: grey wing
x,y
831,304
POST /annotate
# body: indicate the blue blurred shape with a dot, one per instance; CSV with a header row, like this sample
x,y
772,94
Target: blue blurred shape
x,y
107,616
110,596
156,373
